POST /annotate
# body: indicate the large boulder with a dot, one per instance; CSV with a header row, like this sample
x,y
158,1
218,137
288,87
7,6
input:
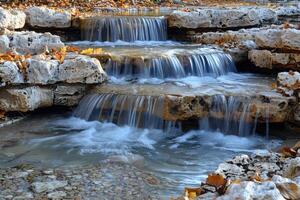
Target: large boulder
x,y
31,42
25,99
81,69
221,18
12,19
270,60
10,74
45,17
42,71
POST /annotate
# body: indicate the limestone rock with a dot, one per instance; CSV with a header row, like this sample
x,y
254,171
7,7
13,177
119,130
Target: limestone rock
x,y
33,43
289,80
230,170
251,190
221,18
25,99
12,19
42,71
68,95
287,11
286,39
4,43
267,59
292,168
57,195
45,17
9,74
81,69
40,187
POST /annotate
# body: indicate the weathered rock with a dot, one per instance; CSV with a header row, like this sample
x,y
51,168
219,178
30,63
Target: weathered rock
x,y
221,18
10,74
230,170
290,80
45,17
33,43
68,95
57,195
284,39
12,19
81,69
40,187
267,59
4,43
287,11
292,168
26,99
251,190
42,71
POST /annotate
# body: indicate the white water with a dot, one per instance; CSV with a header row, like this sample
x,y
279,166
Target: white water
x,y
177,159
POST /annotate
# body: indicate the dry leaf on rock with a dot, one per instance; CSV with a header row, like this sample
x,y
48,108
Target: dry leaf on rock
x,y
289,190
216,180
91,51
288,152
192,193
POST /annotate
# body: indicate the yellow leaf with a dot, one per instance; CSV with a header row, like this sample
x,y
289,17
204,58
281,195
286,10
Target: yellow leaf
x,y
91,51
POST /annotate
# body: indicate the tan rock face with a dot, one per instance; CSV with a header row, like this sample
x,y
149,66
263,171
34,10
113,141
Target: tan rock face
x,y
26,99
267,59
45,17
12,19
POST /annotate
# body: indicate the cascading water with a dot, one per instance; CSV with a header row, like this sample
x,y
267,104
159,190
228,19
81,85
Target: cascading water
x,y
126,28
132,110
172,64
235,114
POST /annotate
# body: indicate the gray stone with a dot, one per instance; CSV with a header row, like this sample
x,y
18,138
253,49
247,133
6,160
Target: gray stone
x,y
82,69
10,74
40,187
12,19
45,17
68,95
251,190
42,71
56,195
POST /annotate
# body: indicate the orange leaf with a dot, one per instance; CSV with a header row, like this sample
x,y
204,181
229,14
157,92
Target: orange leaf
x,y
192,193
2,114
288,152
216,180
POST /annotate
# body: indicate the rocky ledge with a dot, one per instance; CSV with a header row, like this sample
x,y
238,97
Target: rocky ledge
x,y
262,175
182,102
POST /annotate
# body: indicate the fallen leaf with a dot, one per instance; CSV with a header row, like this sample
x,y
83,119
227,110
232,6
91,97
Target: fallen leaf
x,y
288,152
216,180
2,114
91,51
192,193
289,190
256,178
296,146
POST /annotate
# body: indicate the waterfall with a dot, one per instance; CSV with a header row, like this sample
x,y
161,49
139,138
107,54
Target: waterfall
x,y
195,63
132,110
126,28
230,114
234,113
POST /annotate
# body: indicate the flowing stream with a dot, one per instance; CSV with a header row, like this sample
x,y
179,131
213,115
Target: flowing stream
x,y
129,126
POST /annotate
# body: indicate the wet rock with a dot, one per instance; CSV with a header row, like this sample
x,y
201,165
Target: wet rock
x,y
57,195
68,95
40,187
221,18
42,71
33,43
251,190
82,69
45,17
10,74
12,19
25,99
240,160
267,59
230,170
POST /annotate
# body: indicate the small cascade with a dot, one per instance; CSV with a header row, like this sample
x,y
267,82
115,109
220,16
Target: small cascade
x,y
132,110
126,28
173,65
235,116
